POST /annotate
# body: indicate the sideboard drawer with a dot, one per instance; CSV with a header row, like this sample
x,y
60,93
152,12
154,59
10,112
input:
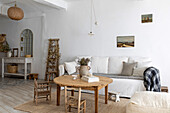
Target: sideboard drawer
x,y
14,60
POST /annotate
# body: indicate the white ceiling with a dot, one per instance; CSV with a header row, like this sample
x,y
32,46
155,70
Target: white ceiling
x,y
29,6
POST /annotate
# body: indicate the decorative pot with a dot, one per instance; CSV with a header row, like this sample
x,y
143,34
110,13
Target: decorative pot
x,y
9,54
84,70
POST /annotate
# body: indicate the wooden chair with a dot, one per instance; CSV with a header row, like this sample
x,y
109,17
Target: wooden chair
x,y
72,102
41,90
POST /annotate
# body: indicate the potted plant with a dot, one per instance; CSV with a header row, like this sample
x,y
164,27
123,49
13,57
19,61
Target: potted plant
x,y
84,68
7,49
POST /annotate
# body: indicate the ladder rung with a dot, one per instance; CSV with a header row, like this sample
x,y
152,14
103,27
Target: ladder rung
x,y
53,51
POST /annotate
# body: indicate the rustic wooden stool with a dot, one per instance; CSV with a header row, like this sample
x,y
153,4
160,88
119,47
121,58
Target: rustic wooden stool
x,y
164,89
116,94
33,75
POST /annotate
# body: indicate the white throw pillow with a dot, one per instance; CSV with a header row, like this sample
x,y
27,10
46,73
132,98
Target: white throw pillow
x,y
70,67
144,64
116,64
100,64
139,71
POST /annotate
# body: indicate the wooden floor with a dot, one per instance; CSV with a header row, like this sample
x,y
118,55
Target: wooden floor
x,y
15,94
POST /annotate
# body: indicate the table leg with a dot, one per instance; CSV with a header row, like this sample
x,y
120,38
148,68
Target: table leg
x,y
106,94
3,68
25,71
58,95
96,99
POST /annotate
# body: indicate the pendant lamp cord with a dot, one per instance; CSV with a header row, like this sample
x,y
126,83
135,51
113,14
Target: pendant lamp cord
x,y
93,8
91,16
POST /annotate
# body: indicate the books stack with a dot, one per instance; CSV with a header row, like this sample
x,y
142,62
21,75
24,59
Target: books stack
x,y
90,79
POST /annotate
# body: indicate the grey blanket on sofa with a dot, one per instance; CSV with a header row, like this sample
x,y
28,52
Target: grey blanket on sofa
x,y
119,76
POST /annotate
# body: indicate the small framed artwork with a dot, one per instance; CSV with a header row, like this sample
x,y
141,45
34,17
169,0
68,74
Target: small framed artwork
x,y
21,48
147,18
125,41
22,39
15,52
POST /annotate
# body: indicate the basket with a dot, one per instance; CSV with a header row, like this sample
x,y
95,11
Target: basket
x,y
12,69
27,56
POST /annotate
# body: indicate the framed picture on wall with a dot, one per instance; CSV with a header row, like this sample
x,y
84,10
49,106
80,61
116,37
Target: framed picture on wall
x,y
125,41
15,52
147,18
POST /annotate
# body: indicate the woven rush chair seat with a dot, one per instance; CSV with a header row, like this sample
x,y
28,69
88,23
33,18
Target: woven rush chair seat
x,y
73,102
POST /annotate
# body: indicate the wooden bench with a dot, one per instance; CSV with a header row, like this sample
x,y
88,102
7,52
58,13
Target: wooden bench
x,y
111,94
164,89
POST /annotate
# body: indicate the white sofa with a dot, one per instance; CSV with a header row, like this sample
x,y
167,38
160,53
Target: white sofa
x,y
112,67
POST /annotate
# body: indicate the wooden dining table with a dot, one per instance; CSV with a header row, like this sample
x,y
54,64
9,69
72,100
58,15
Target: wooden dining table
x,y
67,80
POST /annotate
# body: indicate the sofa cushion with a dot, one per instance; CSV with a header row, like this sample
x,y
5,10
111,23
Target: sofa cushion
x,y
99,64
144,64
141,67
139,71
128,68
116,64
138,59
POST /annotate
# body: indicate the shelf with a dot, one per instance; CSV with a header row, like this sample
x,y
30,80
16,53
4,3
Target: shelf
x,y
16,60
19,74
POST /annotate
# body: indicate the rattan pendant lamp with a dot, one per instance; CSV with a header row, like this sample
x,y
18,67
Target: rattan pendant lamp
x,y
15,13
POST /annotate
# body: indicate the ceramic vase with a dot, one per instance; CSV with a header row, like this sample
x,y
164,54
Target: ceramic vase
x,y
84,70
9,54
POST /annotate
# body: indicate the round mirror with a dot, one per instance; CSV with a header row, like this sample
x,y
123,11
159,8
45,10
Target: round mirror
x,y
26,43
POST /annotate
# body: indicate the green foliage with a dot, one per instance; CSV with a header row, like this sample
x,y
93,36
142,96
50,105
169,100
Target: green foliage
x,y
84,62
5,48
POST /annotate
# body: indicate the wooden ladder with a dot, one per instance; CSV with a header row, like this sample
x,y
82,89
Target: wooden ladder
x,y
53,57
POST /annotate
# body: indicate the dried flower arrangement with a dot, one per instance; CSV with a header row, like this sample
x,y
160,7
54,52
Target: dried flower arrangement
x,y
84,61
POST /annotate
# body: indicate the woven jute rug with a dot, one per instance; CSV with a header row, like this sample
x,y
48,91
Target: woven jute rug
x,y
50,107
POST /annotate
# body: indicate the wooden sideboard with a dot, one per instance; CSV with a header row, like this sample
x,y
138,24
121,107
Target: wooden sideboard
x,y
16,60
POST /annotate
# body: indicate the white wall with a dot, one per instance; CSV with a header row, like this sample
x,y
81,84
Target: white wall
x,y
115,18
13,30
